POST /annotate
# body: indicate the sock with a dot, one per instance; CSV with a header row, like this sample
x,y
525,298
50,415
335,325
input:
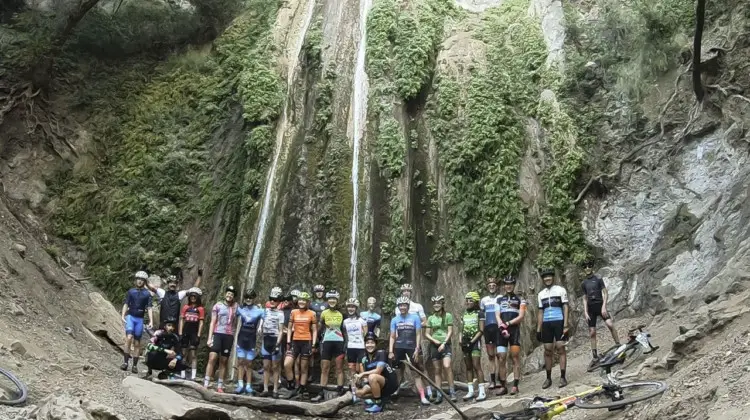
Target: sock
x,y
515,383
594,353
205,382
452,390
502,383
429,390
549,374
421,393
135,361
481,388
182,374
193,373
220,383
126,357
471,388
492,378
562,373
340,389
241,383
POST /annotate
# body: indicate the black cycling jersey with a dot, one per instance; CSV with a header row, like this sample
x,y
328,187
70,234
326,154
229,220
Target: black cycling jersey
x,y
592,288
170,306
510,306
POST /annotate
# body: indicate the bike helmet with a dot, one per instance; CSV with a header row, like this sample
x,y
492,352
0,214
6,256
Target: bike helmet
x,y
473,296
141,275
170,320
406,286
438,299
275,293
303,296
171,279
403,300
195,291
295,293
370,336
230,289
491,280
250,294
333,294
319,288
509,280
352,302
371,300
587,263
546,272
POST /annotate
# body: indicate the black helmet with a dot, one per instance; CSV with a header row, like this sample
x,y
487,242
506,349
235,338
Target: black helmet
x,y
509,280
587,263
371,337
544,272
230,289
250,294
170,320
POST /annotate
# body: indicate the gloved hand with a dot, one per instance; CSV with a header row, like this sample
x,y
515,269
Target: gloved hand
x,y
539,336
504,332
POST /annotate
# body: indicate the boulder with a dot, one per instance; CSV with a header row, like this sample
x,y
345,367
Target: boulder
x,y
67,407
103,320
170,404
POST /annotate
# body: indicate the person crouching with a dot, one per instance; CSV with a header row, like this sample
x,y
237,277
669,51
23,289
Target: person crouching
x,y
163,351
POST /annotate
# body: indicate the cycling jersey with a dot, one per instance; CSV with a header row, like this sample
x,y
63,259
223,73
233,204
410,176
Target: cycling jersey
x,y
380,359
414,308
318,307
471,320
169,303
162,340
592,288
354,337
406,328
273,322
373,320
551,301
439,326
510,306
138,300
488,305
249,317
191,318
332,320
301,321
224,316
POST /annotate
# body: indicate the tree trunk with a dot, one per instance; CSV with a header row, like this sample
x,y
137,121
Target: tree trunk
x,y
298,408
41,71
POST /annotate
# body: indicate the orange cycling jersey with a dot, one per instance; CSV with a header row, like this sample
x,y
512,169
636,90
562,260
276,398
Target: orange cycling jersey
x,y
301,322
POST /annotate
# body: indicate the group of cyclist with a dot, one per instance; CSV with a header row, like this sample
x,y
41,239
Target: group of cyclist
x,y
297,332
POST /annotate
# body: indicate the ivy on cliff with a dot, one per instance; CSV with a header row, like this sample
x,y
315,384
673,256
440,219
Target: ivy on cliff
x,y
160,179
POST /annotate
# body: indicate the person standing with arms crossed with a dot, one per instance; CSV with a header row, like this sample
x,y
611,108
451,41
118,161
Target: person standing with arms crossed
x,y
552,324
595,305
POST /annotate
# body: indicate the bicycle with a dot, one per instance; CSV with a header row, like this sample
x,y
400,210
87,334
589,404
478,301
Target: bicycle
x,y
625,354
18,397
542,408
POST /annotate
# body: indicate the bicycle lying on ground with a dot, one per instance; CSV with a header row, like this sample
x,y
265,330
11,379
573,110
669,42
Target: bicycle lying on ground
x,y
18,393
638,344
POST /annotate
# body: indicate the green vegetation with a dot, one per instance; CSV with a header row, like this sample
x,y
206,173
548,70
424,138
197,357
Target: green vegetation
x,y
160,174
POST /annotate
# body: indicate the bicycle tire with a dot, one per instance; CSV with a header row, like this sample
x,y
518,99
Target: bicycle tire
x,y
525,414
659,388
23,391
631,358
595,367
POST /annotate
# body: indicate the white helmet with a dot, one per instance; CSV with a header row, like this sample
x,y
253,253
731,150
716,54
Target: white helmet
x,y
195,291
406,286
295,293
275,292
352,302
332,294
371,300
403,300
141,275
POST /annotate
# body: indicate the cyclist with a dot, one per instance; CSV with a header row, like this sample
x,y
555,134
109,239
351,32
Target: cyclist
x,y
332,347
471,346
318,305
439,331
552,324
137,302
381,379
406,329
511,310
249,321
372,317
191,326
169,300
221,337
164,351
595,305
272,328
303,334
355,328
488,305
418,310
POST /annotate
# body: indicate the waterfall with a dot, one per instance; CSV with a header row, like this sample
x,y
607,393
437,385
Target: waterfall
x,y
359,121
252,270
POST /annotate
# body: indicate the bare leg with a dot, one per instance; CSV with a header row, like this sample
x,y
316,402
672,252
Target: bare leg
x,y
303,374
502,364
289,367
325,370
267,371
340,371
515,354
436,369
560,346
210,368
611,325
276,373
449,373
548,356
222,369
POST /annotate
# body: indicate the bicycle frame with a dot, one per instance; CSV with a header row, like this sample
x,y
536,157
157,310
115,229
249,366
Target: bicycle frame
x,y
559,406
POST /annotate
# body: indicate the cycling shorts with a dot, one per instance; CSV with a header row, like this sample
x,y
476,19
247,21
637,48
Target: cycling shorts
x,y
513,339
490,334
222,344
553,331
268,350
330,350
355,355
134,326
440,355
300,348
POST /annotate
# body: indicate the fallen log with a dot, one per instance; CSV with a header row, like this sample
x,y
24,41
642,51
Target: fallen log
x,y
268,405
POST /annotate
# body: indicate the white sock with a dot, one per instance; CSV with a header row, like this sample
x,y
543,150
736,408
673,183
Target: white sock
x,y
205,382
193,373
182,374
471,388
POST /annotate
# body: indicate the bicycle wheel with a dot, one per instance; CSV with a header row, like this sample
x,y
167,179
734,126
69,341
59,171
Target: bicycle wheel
x,y
525,414
595,366
632,354
633,392
16,394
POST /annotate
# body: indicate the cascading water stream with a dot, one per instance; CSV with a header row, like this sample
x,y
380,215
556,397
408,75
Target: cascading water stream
x,y
359,121
252,270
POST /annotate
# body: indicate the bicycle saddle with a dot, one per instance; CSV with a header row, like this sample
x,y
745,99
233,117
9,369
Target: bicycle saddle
x,y
544,399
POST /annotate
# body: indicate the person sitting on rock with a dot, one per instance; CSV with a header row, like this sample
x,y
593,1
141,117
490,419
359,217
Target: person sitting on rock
x,y
377,375
164,351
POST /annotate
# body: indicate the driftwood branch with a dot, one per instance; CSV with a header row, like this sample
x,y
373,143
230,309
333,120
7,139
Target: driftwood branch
x,y
298,408
439,389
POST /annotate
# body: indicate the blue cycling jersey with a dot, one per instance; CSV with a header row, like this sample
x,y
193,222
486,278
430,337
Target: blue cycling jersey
x,y
138,300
